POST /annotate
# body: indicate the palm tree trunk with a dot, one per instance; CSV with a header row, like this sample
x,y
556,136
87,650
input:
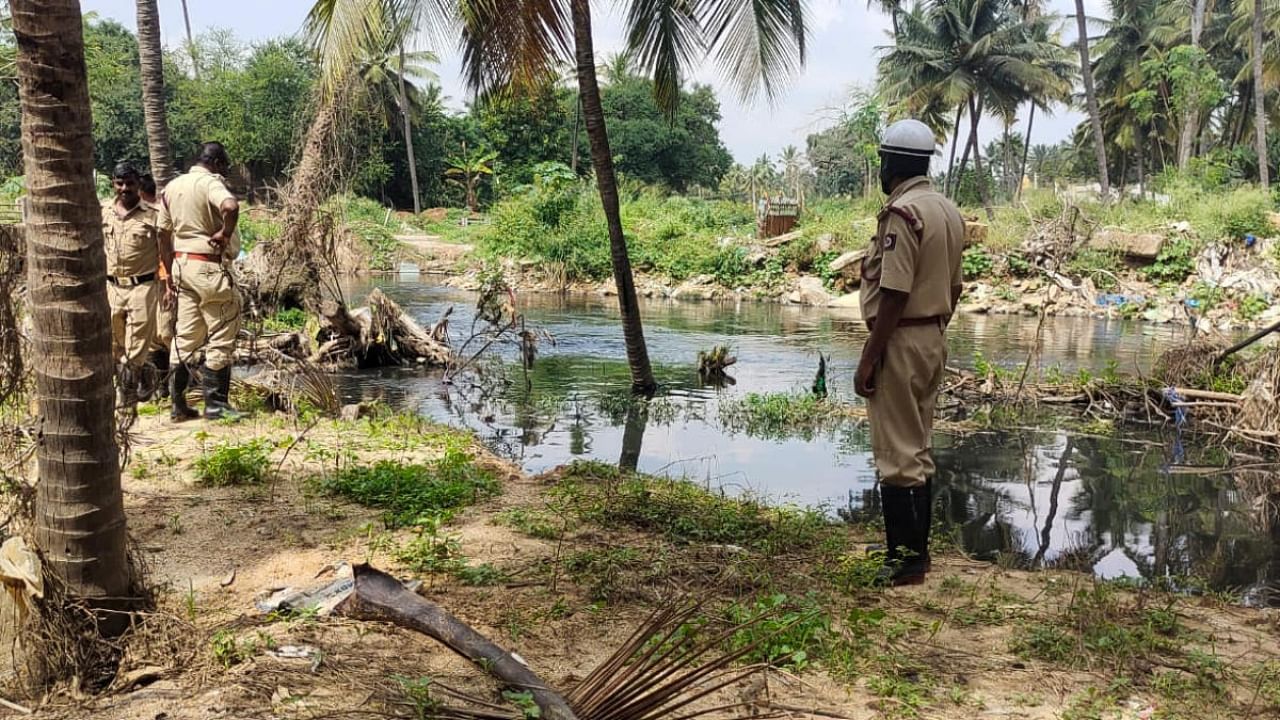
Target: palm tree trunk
x,y
577,124
607,182
951,166
191,42
1095,118
1142,164
1006,162
1026,147
1259,97
975,112
408,136
1191,115
79,513
151,60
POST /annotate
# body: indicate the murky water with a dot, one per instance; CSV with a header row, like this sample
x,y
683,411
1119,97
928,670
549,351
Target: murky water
x,y
1035,497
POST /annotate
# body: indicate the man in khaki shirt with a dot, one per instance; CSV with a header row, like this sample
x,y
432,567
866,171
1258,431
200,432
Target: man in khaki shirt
x,y
167,315
202,214
911,282
135,250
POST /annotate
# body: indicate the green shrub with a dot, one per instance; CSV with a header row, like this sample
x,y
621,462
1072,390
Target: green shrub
x,y
976,263
255,227
230,464
1174,263
408,492
286,320
789,634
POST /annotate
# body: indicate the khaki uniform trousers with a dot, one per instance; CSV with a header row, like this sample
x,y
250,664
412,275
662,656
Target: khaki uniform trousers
x,y
208,313
133,320
166,325
901,409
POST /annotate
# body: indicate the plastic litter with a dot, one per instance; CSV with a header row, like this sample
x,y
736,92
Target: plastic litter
x,y
320,599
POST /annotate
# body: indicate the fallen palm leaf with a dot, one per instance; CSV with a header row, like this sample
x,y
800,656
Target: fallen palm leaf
x,y
659,672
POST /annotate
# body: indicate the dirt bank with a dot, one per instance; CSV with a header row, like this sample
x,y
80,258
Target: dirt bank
x,y
562,568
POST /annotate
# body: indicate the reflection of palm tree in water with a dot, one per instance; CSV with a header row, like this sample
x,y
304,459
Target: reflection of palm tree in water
x,y
633,434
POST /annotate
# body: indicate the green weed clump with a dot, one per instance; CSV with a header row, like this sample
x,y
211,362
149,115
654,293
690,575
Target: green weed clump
x,y
684,512
781,415
780,631
232,464
408,492
255,227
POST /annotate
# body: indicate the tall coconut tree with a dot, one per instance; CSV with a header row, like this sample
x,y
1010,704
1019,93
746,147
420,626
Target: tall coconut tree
x,y
191,42
151,59
1091,100
1191,115
388,73
79,513
1259,97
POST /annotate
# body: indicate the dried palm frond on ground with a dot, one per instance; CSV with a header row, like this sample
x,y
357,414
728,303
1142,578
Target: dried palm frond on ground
x,y
660,671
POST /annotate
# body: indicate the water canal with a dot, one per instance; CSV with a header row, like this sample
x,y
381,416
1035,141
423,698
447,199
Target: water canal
x,y
1134,504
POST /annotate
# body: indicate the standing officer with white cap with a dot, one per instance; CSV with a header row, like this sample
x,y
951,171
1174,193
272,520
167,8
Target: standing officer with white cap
x,y
911,283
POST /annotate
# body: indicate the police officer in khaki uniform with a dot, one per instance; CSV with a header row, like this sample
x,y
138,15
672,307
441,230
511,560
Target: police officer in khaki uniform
x,y
135,251
911,282
167,315
203,214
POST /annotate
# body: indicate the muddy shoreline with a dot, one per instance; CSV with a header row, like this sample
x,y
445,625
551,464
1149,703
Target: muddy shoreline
x,y
561,567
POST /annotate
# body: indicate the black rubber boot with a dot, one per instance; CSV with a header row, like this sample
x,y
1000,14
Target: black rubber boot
x,y
160,360
922,498
178,392
126,387
217,393
902,565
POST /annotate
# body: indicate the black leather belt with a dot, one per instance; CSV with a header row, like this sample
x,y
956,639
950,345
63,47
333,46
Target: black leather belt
x,y
131,281
939,320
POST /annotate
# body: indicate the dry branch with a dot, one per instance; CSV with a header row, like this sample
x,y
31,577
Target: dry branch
x,y
380,597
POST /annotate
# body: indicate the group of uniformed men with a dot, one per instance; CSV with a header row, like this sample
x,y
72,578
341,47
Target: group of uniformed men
x,y
172,263
175,307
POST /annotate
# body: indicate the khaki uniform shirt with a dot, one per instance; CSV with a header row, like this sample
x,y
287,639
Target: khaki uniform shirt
x,y
190,208
131,245
916,250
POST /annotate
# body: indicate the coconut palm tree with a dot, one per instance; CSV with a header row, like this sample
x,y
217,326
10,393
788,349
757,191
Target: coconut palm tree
x,y
977,56
191,44
79,513
385,70
793,172
1091,101
151,59
1259,95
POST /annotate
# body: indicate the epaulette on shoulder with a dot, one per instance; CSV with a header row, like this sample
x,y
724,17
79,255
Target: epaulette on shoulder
x,y
912,221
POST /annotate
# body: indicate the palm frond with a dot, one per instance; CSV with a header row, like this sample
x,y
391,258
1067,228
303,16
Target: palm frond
x,y
664,39
759,44
514,44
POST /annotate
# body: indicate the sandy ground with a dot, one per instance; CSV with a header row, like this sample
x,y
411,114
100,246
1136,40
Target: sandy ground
x,y
214,551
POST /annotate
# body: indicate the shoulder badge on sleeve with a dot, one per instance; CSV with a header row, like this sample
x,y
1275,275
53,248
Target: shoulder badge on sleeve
x,y
889,242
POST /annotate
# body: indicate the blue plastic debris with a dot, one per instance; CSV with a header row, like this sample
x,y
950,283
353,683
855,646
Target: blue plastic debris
x,y
1116,299
1191,303
1179,413
1250,240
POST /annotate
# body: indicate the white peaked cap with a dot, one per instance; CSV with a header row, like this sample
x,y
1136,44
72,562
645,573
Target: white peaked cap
x,y
909,137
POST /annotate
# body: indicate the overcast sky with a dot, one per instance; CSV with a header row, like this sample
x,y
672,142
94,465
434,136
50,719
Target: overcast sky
x,y
842,55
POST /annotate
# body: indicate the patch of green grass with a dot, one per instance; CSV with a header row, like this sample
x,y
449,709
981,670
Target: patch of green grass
x,y
407,492
431,550
684,512
602,570
534,523
1251,306
231,464
257,226
482,575
285,320
782,415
